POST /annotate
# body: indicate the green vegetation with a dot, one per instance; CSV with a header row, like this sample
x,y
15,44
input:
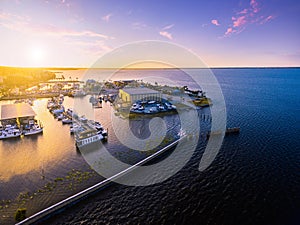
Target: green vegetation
x,y
4,204
17,208
20,214
21,78
58,179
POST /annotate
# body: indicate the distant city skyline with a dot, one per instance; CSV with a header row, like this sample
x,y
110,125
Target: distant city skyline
x,y
234,33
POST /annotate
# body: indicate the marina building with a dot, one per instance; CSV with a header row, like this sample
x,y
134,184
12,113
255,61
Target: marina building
x,y
11,112
131,95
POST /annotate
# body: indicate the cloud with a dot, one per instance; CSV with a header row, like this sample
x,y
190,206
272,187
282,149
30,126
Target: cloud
x,y
229,31
139,25
25,25
166,35
245,17
254,5
168,27
215,22
95,47
107,17
240,21
63,3
266,19
244,11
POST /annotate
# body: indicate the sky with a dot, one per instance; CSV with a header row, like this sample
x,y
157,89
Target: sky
x,y
229,33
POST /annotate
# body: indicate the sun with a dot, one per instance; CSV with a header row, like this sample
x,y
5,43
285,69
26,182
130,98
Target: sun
x,y
37,55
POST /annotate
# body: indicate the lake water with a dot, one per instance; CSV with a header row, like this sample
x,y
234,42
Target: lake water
x,y
255,178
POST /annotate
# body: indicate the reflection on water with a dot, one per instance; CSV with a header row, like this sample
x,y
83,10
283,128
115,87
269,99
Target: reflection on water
x,y
19,157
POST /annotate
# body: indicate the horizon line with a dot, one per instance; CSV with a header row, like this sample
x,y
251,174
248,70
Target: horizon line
x,y
148,68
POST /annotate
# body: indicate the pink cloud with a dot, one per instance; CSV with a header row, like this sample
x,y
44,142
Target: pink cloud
x,y
244,11
229,31
166,35
267,19
240,21
215,22
246,17
254,5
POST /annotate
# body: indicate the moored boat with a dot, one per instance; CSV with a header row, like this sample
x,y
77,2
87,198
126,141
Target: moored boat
x,y
32,128
10,132
87,137
67,120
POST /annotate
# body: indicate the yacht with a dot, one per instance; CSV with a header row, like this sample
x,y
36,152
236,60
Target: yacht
x,y
76,128
10,132
87,137
67,120
60,117
32,128
99,128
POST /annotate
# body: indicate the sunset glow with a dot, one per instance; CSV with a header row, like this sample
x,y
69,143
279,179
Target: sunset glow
x,y
77,33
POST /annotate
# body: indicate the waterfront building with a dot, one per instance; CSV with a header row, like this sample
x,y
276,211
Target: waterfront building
x,y
10,113
131,95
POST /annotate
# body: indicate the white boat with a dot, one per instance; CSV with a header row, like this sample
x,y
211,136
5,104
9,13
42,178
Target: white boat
x,y
83,119
10,133
95,124
66,120
60,117
59,110
104,133
32,128
99,128
86,138
70,112
75,128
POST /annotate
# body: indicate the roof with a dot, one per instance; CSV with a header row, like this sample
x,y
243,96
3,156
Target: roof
x,y
136,91
11,111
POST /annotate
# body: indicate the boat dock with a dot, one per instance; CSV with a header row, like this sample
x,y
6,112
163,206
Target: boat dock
x,y
86,131
18,120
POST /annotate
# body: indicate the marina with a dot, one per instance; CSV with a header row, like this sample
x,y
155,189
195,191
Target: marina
x,y
86,131
18,119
